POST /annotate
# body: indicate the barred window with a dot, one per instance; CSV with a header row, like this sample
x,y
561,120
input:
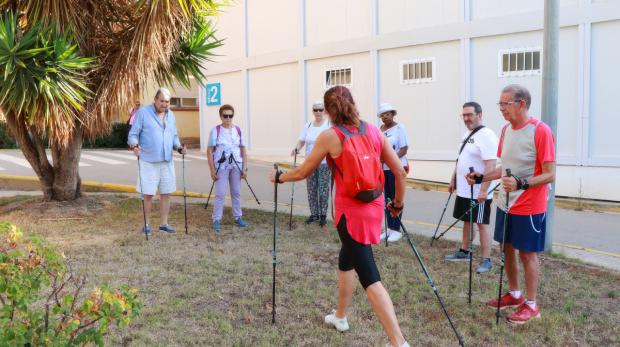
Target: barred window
x,y
183,102
417,70
338,77
520,62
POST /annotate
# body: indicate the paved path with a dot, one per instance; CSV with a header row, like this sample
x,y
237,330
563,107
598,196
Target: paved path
x,y
590,236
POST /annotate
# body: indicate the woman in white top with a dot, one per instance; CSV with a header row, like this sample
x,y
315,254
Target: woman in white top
x,y
397,138
227,162
318,181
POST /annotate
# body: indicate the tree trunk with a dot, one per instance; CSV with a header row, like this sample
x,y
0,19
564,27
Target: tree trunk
x,y
60,181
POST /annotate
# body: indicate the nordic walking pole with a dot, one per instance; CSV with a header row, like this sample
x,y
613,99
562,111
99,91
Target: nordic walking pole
x,y
219,162
184,192
461,216
501,267
273,254
142,199
290,218
440,218
246,180
430,281
471,233
385,212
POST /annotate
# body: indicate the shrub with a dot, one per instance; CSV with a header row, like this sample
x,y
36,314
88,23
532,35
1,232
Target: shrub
x,y
6,140
43,303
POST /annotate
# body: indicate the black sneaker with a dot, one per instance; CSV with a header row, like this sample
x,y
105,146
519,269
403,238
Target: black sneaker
x,y
460,255
322,221
312,219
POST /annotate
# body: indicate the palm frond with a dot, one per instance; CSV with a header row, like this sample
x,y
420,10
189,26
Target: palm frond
x,y
42,77
195,50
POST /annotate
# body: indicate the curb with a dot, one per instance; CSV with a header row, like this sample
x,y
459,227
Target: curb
x,y
561,202
32,183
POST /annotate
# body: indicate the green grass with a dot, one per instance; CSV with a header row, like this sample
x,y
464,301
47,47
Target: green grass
x,y
208,289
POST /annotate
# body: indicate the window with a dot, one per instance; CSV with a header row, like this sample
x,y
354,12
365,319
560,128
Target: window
x,y
421,70
176,102
520,62
338,77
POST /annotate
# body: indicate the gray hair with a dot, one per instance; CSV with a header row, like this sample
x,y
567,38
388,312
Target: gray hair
x,y
163,91
519,92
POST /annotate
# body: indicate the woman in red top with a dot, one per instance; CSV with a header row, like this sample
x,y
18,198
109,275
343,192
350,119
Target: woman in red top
x,y
358,223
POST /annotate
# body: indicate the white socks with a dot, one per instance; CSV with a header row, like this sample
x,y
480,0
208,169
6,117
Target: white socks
x,y
515,293
531,304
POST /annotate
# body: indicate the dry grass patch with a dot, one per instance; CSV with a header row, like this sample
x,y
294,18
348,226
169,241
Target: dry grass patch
x,y
208,289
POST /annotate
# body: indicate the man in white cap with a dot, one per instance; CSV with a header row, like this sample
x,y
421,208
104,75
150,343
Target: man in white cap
x,y
397,138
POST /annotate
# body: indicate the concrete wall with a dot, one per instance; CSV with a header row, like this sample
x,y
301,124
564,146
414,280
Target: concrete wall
x,y
283,72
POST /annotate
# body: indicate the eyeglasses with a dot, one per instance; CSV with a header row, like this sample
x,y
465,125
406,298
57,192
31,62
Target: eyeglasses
x,y
227,115
317,110
509,103
468,115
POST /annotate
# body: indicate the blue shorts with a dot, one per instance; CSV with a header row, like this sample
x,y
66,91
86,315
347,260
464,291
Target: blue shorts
x,y
525,233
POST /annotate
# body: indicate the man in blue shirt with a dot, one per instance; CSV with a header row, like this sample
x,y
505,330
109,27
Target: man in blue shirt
x,y
152,138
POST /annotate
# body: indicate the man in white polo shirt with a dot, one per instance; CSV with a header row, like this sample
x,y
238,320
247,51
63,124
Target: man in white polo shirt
x,y
478,149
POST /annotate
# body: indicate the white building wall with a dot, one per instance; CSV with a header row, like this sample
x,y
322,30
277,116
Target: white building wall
x,y
400,15
229,26
290,48
430,111
360,80
498,8
273,25
275,117
605,93
337,20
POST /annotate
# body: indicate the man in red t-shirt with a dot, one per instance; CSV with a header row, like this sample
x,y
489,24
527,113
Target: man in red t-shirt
x,y
526,147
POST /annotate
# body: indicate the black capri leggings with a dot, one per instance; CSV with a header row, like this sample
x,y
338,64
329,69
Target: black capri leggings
x,y
354,255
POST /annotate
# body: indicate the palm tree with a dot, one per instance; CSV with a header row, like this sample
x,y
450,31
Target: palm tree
x,y
68,67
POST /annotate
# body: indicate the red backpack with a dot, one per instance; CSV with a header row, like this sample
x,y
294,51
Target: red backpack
x,y
361,172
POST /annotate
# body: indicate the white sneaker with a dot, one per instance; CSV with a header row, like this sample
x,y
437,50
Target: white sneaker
x,y
383,235
403,345
394,236
340,324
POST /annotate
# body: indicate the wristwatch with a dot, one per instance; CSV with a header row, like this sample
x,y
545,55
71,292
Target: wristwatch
x,y
525,184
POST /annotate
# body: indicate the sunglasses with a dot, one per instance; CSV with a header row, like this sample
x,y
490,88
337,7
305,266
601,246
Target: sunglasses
x,y
227,115
317,110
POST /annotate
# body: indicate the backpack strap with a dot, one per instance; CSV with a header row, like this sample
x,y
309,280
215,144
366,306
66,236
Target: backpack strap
x,y
217,134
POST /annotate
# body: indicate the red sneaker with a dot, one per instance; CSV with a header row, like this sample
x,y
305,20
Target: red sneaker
x,y
523,314
506,301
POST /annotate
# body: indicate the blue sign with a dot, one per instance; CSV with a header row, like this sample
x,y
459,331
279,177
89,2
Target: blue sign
x,y
214,94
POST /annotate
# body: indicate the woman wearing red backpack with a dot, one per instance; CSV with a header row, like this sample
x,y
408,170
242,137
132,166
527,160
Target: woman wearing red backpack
x,y
355,150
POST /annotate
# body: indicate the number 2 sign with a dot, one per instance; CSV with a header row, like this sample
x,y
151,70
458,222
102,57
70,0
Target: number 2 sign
x,y
214,94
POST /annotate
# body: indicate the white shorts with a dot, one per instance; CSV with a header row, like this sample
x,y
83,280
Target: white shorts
x,y
156,176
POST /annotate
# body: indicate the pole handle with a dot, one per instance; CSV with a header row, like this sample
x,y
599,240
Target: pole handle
x,y
508,172
471,169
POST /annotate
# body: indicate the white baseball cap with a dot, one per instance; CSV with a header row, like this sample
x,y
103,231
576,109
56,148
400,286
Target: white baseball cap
x,y
385,107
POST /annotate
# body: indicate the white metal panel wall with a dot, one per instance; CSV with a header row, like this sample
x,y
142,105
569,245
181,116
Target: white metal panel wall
x,y
361,75
604,94
486,86
231,85
401,15
337,20
274,101
499,8
273,25
229,25
569,140
430,111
